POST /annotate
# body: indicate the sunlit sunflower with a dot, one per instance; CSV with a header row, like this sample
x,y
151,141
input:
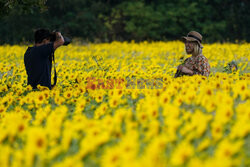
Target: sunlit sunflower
x,y
67,94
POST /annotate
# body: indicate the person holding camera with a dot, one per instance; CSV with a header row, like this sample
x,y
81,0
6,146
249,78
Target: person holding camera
x,y
197,63
38,59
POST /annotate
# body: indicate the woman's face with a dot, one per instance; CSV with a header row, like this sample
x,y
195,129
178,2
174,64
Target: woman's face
x,y
189,47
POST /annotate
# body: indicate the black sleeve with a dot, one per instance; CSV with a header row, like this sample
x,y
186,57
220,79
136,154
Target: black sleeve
x,y
47,49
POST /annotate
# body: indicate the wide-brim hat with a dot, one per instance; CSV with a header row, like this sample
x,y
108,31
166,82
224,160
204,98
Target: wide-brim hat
x,y
193,36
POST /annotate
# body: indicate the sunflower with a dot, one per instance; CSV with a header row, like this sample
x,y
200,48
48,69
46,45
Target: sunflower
x,y
42,87
2,109
40,98
36,140
99,98
80,105
112,157
114,102
67,94
29,88
182,153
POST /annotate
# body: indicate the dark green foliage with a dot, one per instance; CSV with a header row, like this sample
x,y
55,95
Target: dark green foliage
x,y
108,20
23,6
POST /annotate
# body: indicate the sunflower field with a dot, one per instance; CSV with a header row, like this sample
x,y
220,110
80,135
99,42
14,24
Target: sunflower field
x,y
118,104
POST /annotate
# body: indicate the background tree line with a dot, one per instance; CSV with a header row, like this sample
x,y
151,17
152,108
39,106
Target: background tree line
x,y
125,20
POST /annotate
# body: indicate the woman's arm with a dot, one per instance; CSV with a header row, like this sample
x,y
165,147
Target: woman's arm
x,y
185,70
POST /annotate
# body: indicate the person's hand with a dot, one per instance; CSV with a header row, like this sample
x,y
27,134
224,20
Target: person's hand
x,y
187,71
58,35
180,67
59,40
189,66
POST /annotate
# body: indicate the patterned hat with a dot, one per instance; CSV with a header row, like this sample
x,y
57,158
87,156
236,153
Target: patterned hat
x,y
193,36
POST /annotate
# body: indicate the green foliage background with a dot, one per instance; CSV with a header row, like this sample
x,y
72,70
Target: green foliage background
x,y
125,20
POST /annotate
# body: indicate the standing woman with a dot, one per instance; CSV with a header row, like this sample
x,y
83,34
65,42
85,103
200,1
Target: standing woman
x,y
197,63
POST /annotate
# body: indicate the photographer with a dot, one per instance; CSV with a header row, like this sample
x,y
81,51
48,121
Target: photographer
x,y
38,59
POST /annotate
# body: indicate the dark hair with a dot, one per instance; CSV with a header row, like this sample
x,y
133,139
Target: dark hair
x,y
41,34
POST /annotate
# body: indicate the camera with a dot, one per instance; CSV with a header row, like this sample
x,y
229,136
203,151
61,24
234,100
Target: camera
x,y
53,38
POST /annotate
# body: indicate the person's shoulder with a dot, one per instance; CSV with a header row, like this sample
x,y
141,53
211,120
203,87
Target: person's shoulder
x,y
201,57
30,48
45,49
49,45
28,51
189,58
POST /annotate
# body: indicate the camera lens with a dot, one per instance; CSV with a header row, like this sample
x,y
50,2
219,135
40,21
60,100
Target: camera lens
x,y
66,40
